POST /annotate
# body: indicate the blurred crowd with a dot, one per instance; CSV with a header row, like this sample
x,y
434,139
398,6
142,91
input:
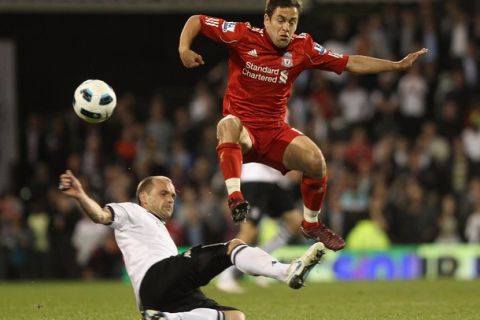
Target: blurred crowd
x,y
403,150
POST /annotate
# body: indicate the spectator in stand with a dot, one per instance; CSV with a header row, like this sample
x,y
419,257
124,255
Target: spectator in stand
x,y
459,171
359,148
412,215
202,107
38,221
448,228
472,231
412,94
384,101
470,65
472,225
370,233
354,103
354,198
471,141
158,127
126,145
87,238
459,31
14,237
449,120
92,160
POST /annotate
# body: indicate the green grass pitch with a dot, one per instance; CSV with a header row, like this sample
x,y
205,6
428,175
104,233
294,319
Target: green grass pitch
x,y
436,300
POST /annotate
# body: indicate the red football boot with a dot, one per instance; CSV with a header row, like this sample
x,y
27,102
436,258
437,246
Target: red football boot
x,y
239,209
322,233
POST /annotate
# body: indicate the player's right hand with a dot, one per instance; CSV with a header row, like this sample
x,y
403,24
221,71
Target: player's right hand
x,y
70,185
191,59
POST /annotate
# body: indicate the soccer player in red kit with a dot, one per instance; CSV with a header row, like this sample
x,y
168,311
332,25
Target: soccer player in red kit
x,y
263,64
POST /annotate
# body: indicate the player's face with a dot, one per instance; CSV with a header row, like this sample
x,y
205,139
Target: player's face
x,y
161,198
281,26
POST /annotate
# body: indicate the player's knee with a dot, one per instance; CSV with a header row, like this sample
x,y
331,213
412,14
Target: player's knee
x,y
229,128
233,244
315,165
234,315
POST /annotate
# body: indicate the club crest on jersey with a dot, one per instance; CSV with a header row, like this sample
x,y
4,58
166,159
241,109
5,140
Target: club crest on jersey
x,y
228,26
287,60
319,48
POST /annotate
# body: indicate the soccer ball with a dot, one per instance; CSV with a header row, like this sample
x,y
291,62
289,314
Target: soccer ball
x,y
94,101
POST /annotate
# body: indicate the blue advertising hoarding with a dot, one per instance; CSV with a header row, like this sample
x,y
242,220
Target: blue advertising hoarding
x,y
430,261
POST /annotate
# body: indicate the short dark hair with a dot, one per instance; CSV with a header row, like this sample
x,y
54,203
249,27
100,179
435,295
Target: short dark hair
x,y
147,184
271,5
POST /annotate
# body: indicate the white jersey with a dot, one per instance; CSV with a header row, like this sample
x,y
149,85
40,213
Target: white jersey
x,y
257,172
143,239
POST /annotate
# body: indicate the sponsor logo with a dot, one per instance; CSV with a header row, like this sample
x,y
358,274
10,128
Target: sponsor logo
x,y
228,26
266,70
287,60
265,73
321,50
252,53
260,73
283,76
213,22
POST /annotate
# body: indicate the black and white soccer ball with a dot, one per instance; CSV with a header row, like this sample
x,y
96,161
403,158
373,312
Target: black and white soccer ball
x,y
94,101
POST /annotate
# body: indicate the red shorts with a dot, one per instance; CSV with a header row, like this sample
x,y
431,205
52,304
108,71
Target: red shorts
x,y
269,145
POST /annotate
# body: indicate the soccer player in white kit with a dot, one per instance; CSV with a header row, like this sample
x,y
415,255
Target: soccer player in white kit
x,y
166,284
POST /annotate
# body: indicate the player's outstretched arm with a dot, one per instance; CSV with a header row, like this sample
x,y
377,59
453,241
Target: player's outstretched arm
x,y
70,186
364,64
191,29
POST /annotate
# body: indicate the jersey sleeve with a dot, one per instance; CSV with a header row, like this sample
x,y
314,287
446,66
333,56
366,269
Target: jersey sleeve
x,y
223,31
119,215
318,57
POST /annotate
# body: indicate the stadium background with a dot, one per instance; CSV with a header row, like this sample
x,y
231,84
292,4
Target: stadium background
x,y
403,158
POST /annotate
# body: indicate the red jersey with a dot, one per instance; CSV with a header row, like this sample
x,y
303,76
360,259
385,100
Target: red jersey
x,y
260,75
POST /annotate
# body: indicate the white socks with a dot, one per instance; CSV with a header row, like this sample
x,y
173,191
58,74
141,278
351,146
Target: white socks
x,y
310,215
280,240
196,314
233,185
256,262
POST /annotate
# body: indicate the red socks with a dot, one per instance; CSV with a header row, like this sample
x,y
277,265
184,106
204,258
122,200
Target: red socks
x,y
230,159
313,192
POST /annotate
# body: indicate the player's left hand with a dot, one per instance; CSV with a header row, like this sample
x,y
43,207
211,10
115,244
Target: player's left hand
x,y
191,59
410,59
